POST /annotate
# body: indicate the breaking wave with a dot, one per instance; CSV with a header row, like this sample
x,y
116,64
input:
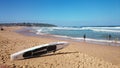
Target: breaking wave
x,y
96,29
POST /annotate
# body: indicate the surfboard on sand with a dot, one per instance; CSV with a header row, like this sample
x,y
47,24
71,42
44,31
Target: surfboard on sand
x,y
38,50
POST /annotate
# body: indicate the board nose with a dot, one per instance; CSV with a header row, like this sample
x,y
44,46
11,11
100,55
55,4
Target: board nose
x,y
12,57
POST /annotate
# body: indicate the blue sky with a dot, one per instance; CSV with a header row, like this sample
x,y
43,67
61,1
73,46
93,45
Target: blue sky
x,y
61,12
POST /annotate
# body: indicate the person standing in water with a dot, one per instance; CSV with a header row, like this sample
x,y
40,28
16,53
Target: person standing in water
x,y
109,37
84,36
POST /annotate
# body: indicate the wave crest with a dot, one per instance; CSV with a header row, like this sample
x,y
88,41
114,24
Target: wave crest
x,y
96,29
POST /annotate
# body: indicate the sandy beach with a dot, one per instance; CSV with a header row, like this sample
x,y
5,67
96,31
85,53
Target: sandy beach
x,y
76,55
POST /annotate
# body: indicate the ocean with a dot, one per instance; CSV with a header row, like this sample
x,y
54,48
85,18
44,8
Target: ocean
x,y
97,34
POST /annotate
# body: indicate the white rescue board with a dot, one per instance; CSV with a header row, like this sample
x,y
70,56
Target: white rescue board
x,y
38,50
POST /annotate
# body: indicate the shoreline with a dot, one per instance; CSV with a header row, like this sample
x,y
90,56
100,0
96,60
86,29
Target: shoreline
x,y
77,54
30,32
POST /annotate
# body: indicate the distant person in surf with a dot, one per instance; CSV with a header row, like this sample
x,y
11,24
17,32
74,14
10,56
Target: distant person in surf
x,y
84,36
109,37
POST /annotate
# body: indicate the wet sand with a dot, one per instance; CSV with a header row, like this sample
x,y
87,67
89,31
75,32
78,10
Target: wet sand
x,y
76,55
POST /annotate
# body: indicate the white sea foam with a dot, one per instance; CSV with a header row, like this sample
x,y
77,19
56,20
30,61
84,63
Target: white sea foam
x,y
102,29
105,30
90,40
96,29
66,28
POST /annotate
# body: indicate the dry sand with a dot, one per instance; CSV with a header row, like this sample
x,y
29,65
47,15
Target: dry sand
x,y
76,55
